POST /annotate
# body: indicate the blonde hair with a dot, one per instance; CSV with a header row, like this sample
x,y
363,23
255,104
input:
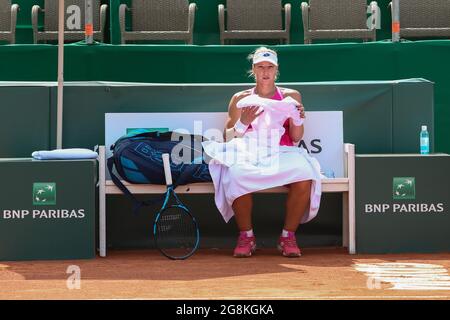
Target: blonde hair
x,y
250,58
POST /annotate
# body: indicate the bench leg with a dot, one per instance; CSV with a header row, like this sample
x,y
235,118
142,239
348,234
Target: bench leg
x,y
345,218
349,198
102,202
351,221
348,222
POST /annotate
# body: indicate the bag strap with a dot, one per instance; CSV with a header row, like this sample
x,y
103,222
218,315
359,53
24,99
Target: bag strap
x,y
164,136
154,134
137,204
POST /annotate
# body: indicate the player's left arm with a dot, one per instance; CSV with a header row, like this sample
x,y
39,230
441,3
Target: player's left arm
x,y
295,132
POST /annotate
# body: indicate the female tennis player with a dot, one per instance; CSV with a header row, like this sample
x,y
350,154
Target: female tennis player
x,y
278,111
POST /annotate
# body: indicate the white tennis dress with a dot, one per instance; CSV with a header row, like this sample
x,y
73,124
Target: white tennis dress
x,y
256,161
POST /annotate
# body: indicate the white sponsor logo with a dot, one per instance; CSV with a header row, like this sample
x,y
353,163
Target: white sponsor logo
x,y
44,214
404,208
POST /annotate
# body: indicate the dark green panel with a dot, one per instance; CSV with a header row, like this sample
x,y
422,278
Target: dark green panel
x,y
336,62
86,106
410,100
360,103
402,230
41,236
86,103
28,62
428,60
229,64
25,120
128,230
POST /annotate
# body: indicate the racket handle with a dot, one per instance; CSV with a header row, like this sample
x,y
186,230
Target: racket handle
x,y
168,174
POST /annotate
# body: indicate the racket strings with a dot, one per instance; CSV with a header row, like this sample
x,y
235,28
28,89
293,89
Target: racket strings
x,y
176,232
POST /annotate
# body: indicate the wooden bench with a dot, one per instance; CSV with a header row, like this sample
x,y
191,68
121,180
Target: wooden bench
x,y
344,185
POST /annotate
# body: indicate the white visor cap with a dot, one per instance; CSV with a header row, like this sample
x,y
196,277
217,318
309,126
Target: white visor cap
x,y
265,56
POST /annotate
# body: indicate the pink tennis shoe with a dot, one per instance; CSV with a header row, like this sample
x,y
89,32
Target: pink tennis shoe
x,y
288,246
245,247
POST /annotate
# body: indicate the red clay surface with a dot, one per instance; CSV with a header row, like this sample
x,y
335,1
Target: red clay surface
x,y
212,274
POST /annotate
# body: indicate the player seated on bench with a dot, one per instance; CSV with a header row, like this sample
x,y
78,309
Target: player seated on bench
x,y
264,124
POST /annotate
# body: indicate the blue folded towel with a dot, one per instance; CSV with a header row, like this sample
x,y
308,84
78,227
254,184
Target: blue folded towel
x,y
64,154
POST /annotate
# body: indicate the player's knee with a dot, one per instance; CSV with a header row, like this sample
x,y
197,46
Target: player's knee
x,y
243,198
301,187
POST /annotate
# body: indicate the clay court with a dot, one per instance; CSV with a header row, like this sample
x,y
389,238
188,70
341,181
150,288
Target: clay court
x,y
214,274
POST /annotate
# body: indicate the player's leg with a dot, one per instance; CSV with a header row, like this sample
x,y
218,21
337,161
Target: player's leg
x,y
296,204
242,208
298,201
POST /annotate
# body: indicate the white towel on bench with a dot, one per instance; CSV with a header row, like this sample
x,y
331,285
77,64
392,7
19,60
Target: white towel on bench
x,y
64,154
256,162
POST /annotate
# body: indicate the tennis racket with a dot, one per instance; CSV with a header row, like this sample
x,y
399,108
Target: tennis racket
x,y
175,230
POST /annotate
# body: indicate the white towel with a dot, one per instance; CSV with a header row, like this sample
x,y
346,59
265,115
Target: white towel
x,y
277,109
63,154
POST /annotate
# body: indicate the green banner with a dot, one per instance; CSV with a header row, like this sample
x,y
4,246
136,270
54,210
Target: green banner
x,y
402,203
47,209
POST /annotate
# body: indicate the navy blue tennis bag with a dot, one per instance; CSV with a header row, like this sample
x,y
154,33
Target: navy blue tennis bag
x,y
137,158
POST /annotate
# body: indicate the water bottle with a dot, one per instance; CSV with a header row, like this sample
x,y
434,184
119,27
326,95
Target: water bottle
x,y
424,141
329,173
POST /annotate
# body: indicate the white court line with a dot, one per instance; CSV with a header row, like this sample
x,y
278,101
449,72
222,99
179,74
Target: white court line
x,y
288,298
405,276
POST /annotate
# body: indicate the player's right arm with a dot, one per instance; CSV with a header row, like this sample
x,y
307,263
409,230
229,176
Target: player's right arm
x,y
235,114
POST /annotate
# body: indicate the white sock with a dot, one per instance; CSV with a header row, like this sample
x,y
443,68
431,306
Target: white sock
x,y
285,233
248,233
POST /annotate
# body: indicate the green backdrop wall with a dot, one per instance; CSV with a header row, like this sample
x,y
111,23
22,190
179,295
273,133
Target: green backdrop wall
x,y
219,64
379,116
375,119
